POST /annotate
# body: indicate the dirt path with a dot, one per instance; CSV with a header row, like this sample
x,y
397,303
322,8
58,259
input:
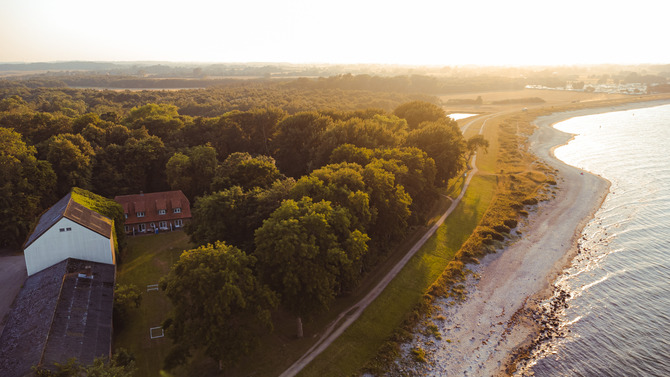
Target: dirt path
x,y
349,316
12,276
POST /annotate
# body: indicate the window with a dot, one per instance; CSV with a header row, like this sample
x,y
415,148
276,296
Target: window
x,y
140,214
125,215
68,229
62,229
143,227
127,229
161,212
162,224
178,223
177,210
152,225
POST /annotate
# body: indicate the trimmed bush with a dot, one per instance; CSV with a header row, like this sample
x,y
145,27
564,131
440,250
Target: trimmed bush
x,y
502,228
511,223
530,201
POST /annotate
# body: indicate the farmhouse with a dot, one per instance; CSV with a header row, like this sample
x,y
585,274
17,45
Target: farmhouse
x,y
155,212
69,230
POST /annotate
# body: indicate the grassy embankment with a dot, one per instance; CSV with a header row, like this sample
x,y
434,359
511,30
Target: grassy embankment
x,y
507,177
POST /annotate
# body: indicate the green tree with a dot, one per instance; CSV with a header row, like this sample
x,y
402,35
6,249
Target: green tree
x,y
193,171
241,169
244,213
309,253
26,187
444,143
415,172
219,305
258,126
342,185
297,141
71,157
417,112
38,127
351,153
390,203
127,297
122,364
378,131
159,120
136,165
475,142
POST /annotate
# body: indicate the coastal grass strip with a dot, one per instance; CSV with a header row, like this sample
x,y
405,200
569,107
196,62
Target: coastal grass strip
x,y
362,341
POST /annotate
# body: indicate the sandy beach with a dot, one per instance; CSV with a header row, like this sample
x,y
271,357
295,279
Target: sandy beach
x,y
479,335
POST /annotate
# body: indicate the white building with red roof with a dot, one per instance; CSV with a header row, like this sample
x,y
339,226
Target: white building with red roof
x,y
155,212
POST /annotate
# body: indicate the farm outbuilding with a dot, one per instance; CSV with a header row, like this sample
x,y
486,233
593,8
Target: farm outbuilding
x,y
69,230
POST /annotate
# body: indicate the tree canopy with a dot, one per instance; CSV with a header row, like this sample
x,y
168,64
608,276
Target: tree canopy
x,y
309,253
26,187
218,304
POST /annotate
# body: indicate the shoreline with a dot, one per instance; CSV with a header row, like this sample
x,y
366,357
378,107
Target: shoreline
x,y
495,325
546,125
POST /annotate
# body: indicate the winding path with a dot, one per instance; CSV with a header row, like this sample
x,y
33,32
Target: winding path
x,y
348,316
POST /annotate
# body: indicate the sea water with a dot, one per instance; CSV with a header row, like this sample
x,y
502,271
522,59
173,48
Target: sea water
x,y
617,322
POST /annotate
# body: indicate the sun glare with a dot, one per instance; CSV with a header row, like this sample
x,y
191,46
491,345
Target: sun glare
x,y
425,32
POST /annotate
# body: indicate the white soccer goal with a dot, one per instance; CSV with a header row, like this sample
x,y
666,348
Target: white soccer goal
x,y
156,332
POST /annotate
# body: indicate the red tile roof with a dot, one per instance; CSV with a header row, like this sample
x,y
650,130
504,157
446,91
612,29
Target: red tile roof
x,y
150,203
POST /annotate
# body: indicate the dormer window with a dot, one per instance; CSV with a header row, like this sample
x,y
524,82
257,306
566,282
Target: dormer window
x,y
161,212
177,210
140,214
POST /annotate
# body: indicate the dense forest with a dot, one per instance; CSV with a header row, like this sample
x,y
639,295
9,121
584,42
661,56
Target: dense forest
x,y
315,185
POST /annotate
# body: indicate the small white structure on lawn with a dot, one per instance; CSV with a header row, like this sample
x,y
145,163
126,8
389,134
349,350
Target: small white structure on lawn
x,y
69,230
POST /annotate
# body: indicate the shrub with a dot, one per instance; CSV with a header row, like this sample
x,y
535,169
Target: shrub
x,y
419,355
502,228
530,201
511,223
487,232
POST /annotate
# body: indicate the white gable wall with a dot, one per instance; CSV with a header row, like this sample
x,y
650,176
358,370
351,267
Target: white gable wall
x,y
54,246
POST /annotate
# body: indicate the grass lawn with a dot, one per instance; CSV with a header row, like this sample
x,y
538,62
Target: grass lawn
x,y
360,342
147,259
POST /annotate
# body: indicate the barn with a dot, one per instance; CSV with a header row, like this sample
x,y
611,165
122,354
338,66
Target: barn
x,y
69,230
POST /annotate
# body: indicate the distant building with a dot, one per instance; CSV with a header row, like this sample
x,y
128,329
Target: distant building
x,y
69,230
155,212
61,312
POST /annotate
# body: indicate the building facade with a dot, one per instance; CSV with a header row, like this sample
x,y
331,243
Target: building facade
x,y
155,212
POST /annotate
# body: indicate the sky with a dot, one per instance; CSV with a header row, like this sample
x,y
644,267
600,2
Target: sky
x,y
409,32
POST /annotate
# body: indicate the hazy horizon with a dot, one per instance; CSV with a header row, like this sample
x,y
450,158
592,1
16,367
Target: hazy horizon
x,y
427,33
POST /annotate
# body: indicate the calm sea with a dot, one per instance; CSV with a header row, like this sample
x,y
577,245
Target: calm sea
x,y
618,316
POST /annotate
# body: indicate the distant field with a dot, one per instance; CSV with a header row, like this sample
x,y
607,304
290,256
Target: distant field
x,y
552,98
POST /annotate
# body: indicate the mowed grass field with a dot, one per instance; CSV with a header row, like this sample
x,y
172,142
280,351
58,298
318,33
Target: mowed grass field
x,y
146,260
